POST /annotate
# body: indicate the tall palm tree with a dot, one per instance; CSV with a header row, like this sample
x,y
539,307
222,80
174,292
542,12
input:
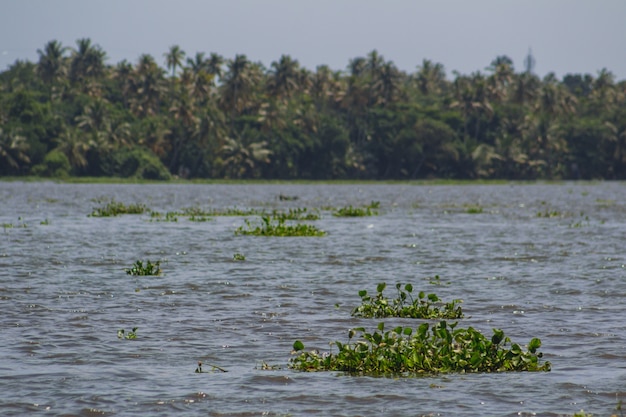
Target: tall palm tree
x,y
87,62
52,67
215,65
148,84
238,85
284,76
174,58
430,78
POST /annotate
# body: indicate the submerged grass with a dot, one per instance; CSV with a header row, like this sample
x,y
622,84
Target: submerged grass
x,y
440,349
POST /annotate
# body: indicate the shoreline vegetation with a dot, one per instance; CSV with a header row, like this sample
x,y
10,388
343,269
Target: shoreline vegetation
x,y
73,116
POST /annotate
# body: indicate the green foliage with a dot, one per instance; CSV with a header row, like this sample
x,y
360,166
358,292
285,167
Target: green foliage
x,y
116,208
239,257
170,216
55,164
140,269
423,307
279,228
286,122
404,350
121,334
295,214
133,163
349,211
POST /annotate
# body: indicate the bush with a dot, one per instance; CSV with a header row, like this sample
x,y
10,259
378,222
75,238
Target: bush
x,y
134,163
55,164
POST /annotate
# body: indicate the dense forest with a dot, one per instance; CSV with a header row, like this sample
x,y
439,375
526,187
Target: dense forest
x,y
72,114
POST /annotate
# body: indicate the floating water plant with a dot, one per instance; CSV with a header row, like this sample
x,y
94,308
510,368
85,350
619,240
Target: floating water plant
x,y
170,216
349,211
474,210
295,214
423,307
121,334
239,257
279,228
213,368
440,349
149,268
237,212
115,208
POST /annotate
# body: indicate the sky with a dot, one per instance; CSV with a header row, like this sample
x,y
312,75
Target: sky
x,y
565,36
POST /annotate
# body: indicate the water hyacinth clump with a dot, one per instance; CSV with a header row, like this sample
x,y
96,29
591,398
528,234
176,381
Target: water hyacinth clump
x,y
140,269
440,349
279,228
295,214
132,334
423,307
115,208
349,211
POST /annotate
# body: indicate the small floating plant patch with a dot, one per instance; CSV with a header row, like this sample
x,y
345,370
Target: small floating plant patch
x,y
440,349
115,208
278,228
423,307
149,268
132,334
349,211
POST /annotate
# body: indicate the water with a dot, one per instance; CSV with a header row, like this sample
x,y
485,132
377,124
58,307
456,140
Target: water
x,y
64,294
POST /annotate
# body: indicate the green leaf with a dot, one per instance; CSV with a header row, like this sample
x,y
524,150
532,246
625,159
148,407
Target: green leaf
x,y
497,337
534,344
381,287
298,346
408,287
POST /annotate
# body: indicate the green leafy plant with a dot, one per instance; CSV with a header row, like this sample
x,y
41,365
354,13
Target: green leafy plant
x,y
149,268
423,307
115,208
440,349
295,214
279,228
239,257
170,216
121,334
350,211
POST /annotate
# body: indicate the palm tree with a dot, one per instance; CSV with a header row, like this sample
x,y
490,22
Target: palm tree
x,y
501,77
241,161
87,63
238,85
13,152
430,78
148,87
284,75
75,145
385,86
51,67
174,58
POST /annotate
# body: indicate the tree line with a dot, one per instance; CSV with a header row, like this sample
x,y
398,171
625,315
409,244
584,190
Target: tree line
x,y
72,114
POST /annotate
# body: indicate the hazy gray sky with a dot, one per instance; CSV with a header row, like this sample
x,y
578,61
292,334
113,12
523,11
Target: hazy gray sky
x,y
566,36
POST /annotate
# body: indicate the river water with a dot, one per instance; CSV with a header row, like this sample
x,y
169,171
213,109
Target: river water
x,y
540,260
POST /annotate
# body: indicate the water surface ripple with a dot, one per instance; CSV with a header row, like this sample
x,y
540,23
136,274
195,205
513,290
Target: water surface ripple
x,y
540,260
